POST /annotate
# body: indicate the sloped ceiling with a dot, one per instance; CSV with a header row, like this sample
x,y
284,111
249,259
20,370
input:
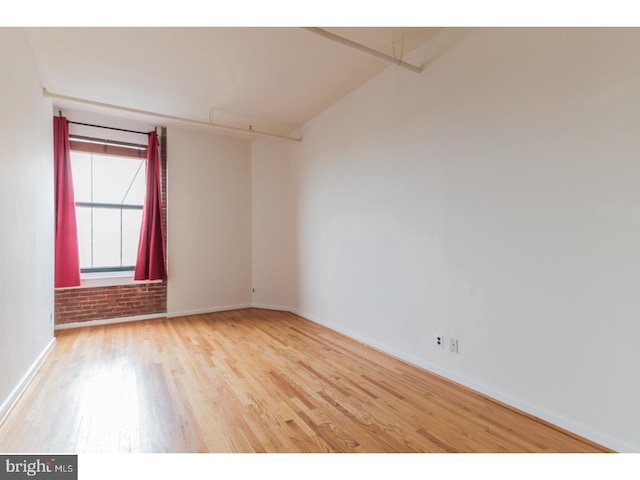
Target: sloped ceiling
x,y
272,78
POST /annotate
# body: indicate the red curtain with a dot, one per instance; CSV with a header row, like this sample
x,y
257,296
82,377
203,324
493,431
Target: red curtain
x,y
67,260
150,264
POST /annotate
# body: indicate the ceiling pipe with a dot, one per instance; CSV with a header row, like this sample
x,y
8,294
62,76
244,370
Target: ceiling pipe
x,y
363,48
230,128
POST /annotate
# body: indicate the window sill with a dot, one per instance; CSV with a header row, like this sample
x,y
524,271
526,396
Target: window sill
x,y
108,280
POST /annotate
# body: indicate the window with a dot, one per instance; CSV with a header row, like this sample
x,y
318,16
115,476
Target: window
x,y
109,194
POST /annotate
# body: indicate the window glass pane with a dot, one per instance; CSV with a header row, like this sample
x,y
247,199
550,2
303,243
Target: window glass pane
x,y
81,172
131,221
83,221
118,180
136,193
106,237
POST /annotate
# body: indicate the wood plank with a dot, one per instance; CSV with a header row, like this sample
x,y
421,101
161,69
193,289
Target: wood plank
x,y
254,381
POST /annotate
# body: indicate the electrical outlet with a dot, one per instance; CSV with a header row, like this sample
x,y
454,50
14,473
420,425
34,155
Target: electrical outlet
x,y
453,343
253,290
439,339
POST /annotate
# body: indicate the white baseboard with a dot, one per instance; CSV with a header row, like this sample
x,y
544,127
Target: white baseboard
x,y
109,321
516,403
17,392
208,310
270,307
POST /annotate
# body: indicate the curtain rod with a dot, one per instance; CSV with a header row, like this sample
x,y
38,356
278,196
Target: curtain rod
x,y
109,128
249,130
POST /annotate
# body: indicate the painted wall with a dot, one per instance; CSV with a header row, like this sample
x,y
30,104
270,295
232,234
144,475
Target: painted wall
x,y
209,222
26,214
494,198
272,238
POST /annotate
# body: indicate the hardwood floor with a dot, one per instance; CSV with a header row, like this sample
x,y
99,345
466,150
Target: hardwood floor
x,y
253,381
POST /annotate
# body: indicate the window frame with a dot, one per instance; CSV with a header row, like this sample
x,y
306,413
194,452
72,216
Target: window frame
x,y
114,148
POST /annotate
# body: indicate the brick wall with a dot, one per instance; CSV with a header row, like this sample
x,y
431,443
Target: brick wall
x,y
100,303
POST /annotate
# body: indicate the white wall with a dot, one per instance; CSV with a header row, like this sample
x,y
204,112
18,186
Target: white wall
x,y
272,240
494,198
26,215
209,222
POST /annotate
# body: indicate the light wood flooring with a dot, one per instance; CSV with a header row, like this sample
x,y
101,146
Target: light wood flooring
x,y
253,381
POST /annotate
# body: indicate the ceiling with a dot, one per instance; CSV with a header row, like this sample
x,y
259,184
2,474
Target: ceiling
x,y
274,79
